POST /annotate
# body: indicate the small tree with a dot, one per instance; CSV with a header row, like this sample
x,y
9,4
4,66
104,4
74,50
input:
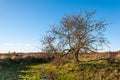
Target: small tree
x,y
76,34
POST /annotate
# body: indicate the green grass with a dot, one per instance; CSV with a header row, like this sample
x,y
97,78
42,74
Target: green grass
x,y
21,70
87,70
10,71
34,72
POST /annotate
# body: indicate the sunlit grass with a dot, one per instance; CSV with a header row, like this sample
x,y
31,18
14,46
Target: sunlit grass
x,y
101,69
34,72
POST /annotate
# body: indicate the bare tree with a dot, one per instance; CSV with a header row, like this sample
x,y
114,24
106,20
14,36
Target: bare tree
x,y
76,34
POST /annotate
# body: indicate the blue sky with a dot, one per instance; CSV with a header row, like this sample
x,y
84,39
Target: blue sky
x,y
24,22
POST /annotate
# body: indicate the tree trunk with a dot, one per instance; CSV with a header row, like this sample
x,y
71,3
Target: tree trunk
x,y
76,60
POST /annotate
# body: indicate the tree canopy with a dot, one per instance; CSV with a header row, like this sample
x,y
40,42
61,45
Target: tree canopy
x,y
76,34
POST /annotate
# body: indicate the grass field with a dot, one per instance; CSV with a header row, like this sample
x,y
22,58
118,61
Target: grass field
x,y
36,69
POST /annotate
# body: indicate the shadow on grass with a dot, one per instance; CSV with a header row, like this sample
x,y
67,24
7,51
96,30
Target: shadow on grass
x,y
95,65
12,69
